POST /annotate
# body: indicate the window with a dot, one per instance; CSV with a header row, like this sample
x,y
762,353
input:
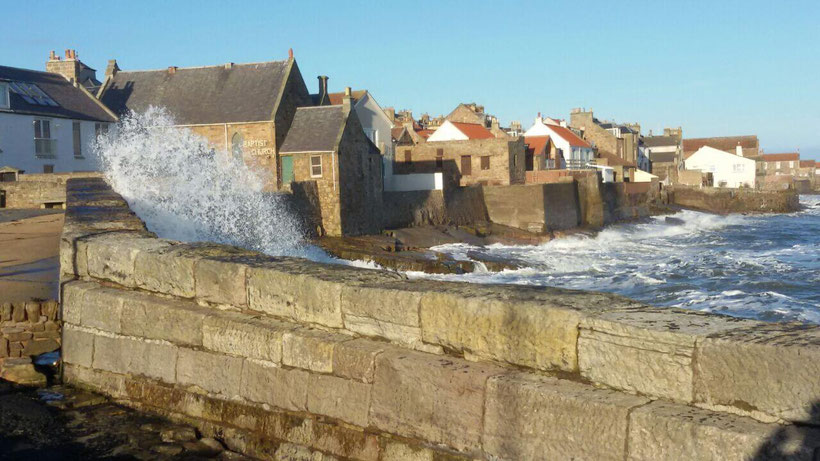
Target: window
x,y
78,141
44,146
439,159
466,165
315,166
485,162
48,169
100,129
777,165
237,141
738,168
4,95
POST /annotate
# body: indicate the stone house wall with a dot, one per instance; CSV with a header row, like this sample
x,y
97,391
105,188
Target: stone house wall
x,y
359,364
360,180
257,146
593,133
29,328
506,160
327,188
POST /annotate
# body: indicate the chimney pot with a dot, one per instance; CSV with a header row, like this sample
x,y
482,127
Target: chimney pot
x,y
172,69
323,95
229,65
290,53
348,91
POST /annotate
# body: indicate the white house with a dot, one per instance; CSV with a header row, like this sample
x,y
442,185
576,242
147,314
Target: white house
x,y
577,153
458,131
47,123
728,170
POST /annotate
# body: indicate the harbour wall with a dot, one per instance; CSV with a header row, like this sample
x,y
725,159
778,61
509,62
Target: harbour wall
x,y
37,190
724,200
263,352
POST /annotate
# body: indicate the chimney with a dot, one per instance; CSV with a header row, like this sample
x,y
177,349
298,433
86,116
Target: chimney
x,y
112,68
324,99
172,70
346,100
739,150
539,119
229,66
69,69
290,53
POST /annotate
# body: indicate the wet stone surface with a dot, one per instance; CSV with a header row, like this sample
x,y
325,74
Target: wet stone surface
x,y
63,423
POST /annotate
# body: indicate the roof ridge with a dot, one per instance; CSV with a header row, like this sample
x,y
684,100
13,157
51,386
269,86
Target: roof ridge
x,y
320,107
35,70
202,67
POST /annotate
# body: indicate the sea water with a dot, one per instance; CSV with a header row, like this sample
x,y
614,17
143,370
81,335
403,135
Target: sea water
x,y
765,267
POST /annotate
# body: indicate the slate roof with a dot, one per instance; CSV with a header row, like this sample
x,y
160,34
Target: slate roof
x,y
780,157
314,129
657,141
201,95
74,103
662,157
614,160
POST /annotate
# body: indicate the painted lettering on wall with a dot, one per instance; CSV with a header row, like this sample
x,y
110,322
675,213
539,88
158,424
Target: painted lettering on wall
x,y
257,147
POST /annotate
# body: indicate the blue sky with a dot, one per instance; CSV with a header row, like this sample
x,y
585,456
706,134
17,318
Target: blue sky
x,y
714,68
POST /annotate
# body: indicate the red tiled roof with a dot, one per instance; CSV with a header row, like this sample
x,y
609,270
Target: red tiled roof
x,y
473,130
807,163
780,157
724,143
536,143
336,98
396,132
569,136
425,133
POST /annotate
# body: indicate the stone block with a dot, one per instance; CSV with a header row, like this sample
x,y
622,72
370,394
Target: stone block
x,y
123,355
400,334
72,300
534,417
18,334
33,311
4,347
112,256
100,381
291,452
438,399
310,349
165,271
101,308
665,430
329,437
40,346
221,282
152,317
18,313
243,336
356,359
5,312
770,368
217,373
50,309
385,303
266,383
78,346
531,329
397,451
338,398
647,350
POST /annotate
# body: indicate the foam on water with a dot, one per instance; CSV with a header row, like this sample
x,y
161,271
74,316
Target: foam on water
x,y
761,266
184,190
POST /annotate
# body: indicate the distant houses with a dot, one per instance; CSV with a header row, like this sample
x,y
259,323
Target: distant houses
x,y
49,120
727,169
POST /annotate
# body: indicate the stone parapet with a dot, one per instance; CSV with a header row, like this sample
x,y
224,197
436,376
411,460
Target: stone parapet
x,y
361,364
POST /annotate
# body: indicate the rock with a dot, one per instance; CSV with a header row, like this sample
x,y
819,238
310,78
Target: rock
x,y
18,313
21,371
40,346
33,311
168,449
4,347
19,335
6,310
206,447
178,434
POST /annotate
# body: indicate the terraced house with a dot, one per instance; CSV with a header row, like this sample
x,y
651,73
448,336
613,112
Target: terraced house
x,y
263,114
48,122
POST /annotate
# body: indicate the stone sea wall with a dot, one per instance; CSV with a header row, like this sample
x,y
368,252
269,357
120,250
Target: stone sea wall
x,y
28,328
346,363
725,200
38,190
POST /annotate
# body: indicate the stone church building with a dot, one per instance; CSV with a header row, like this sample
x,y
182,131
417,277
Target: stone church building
x,y
264,114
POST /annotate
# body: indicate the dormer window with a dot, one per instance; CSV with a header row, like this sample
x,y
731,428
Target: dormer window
x,y
4,95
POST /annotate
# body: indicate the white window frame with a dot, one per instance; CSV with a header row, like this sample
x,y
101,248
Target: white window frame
x,y
5,103
738,168
321,169
44,141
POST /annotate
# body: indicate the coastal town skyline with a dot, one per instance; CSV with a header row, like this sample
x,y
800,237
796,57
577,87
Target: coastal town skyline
x,y
515,73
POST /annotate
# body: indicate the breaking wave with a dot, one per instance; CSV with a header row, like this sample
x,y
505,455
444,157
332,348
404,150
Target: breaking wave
x,y
756,266
185,190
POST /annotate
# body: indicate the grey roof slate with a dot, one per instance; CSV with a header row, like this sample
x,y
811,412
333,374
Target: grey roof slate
x,y
74,102
201,95
662,156
655,141
314,129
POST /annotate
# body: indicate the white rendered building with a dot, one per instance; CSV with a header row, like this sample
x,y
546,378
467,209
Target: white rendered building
x,y
728,170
